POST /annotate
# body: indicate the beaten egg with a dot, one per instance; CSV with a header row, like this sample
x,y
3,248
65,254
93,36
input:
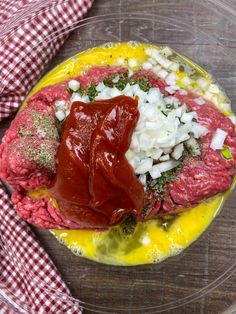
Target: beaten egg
x,y
151,241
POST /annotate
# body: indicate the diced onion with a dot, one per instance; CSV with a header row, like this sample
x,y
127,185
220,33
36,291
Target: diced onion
x,y
213,88
187,117
162,74
143,179
160,59
225,106
174,66
145,166
60,115
199,130
167,51
166,165
152,61
193,146
60,104
147,65
132,63
155,172
164,157
233,119
200,101
202,83
218,139
115,92
100,87
74,85
178,151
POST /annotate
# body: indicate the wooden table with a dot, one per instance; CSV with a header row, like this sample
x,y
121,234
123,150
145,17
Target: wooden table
x,y
73,269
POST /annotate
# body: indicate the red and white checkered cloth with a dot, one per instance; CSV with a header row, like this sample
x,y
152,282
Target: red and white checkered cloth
x,y
29,282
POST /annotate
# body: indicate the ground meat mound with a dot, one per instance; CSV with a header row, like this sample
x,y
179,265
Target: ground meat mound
x,y
28,150
40,212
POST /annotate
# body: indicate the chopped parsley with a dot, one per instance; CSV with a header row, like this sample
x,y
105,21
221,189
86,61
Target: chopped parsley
x,y
122,82
108,82
144,84
128,225
92,92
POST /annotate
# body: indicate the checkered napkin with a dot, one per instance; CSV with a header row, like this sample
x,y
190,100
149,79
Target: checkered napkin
x,y
29,282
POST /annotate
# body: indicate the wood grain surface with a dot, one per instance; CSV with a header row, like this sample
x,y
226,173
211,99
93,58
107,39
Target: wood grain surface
x,y
211,255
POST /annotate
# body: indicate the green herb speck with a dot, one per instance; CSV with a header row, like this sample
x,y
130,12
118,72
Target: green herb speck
x,y
128,226
92,92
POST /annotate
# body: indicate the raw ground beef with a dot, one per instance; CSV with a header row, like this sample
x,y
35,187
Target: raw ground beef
x,y
199,178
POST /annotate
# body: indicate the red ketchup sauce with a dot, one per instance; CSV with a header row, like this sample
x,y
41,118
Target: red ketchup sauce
x,y
95,185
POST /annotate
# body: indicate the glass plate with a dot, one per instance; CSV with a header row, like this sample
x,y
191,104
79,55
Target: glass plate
x,y
211,259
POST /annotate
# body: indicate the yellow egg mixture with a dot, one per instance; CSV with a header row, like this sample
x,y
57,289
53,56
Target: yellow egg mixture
x,y
152,241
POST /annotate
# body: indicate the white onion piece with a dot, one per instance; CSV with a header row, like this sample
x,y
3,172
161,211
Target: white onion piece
x,y
135,88
143,179
199,101
152,61
115,92
132,63
147,66
155,172
233,119
145,166
60,104
153,95
60,115
155,153
164,157
77,97
157,68
170,89
225,106
74,85
182,138
187,117
167,51
202,83
186,80
178,151
199,130
154,53
218,139
130,73
162,74
100,87
193,146
166,165
213,88
116,79
167,150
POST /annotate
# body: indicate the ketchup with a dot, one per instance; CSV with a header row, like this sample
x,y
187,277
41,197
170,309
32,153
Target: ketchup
x,y
95,185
